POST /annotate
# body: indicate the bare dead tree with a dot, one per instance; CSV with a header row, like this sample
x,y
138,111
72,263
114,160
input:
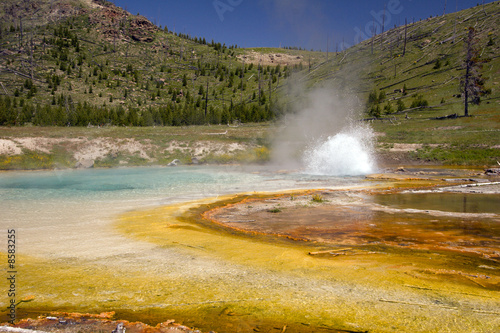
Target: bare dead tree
x,y
260,68
472,84
406,31
206,101
4,90
374,33
241,77
326,46
20,32
456,18
383,26
166,47
31,57
182,46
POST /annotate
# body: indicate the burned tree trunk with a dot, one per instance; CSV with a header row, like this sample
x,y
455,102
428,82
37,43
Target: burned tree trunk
x,y
472,83
406,30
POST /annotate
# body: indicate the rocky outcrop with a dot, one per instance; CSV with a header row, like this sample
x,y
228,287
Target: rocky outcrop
x,y
492,171
175,162
85,164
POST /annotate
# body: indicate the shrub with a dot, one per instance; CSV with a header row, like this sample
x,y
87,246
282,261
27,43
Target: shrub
x,y
437,65
401,105
388,108
375,111
419,101
317,198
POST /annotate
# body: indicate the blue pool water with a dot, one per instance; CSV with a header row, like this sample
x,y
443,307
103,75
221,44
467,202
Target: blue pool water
x,y
128,183
67,212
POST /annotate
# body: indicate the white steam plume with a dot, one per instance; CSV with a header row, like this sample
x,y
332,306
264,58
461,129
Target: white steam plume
x,y
323,137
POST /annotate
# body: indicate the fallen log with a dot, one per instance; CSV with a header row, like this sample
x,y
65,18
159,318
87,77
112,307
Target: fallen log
x,y
330,251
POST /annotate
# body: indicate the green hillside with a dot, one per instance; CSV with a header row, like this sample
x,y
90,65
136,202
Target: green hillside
x,y
90,63
420,82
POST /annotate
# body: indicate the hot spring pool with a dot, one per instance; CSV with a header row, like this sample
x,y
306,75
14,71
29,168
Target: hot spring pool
x,y
130,240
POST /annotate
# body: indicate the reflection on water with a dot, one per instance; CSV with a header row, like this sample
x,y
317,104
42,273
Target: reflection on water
x,y
351,218
449,202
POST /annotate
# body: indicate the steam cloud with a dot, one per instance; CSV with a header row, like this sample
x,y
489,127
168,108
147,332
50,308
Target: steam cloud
x,y
321,136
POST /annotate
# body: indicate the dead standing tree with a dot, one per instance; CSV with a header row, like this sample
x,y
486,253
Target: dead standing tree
x,y
472,84
406,31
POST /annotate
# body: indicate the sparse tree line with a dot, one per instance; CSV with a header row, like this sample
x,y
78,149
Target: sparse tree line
x,y
78,88
64,112
216,46
378,104
472,84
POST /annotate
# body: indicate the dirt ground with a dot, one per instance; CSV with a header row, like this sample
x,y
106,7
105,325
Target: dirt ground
x,y
83,323
354,217
87,151
272,59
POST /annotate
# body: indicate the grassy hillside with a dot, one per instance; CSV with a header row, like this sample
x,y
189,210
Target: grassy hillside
x,y
421,82
88,63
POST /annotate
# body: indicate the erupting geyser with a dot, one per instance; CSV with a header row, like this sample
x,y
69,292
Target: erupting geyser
x,y
348,153
322,135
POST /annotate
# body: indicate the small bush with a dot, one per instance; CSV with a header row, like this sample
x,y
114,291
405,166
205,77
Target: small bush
x,y
437,65
401,105
317,198
419,101
375,111
388,108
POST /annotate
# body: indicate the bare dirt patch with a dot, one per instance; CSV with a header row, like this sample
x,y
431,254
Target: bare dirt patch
x,y
85,151
201,149
355,218
83,323
408,147
9,147
271,58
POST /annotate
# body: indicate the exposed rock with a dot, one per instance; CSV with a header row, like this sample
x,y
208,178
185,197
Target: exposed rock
x,y
119,328
175,162
85,164
492,171
194,160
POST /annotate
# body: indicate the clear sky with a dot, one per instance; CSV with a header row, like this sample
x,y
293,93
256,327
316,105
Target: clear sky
x,y
271,23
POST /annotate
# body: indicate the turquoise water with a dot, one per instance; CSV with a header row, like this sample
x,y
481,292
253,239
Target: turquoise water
x,y
70,213
116,183
127,183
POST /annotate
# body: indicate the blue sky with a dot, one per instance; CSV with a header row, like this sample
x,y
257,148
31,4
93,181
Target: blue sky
x,y
271,23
